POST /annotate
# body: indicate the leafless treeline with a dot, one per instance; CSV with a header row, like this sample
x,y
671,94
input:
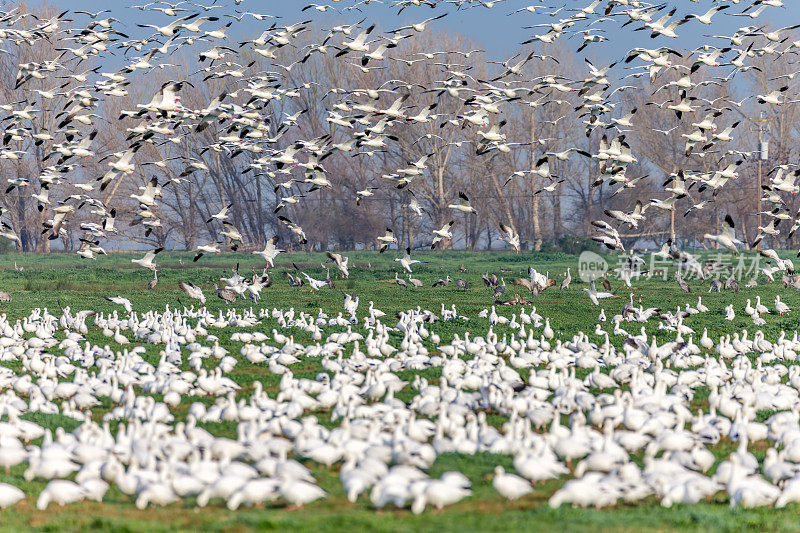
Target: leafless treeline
x,y
539,123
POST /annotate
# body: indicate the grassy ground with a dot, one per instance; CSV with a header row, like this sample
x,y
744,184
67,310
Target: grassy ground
x,y
50,281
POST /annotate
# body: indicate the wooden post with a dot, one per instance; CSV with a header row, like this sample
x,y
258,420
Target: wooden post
x,y
672,224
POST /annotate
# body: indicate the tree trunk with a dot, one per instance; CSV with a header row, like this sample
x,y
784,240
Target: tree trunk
x,y
557,214
537,229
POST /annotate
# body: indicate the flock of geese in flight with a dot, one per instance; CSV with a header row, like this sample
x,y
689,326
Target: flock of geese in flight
x,y
573,407
364,121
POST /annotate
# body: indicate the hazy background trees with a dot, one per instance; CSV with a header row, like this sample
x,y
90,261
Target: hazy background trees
x,y
539,122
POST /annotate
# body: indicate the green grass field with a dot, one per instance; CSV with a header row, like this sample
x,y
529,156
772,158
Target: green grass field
x,y
53,280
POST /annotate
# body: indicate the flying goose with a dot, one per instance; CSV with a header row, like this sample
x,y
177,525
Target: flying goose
x,y
463,204
270,252
211,248
341,263
386,239
148,261
510,236
442,234
314,284
594,295
728,236
193,291
294,228
406,261
124,302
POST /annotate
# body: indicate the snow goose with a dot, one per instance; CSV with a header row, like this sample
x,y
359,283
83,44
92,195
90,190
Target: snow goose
x,y
60,491
298,492
437,492
780,307
9,495
789,494
728,236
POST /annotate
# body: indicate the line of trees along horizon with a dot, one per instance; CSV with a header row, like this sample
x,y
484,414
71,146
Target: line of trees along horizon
x,y
538,124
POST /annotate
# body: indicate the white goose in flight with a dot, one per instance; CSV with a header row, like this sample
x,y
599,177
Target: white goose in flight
x,y
270,252
148,261
441,234
406,261
728,236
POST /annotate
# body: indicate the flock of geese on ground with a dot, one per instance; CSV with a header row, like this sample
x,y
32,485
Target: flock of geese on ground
x,y
574,408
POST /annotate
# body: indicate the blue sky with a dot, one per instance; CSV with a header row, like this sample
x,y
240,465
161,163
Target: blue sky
x,y
496,31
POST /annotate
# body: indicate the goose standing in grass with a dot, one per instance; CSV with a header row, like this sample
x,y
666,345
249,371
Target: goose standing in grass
x,y
566,281
226,295
442,282
510,486
400,281
780,306
10,495
298,492
761,308
60,491
499,289
328,279
682,284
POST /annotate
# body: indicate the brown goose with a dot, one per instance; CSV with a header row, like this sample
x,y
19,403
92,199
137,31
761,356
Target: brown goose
x,y
225,294
567,280
442,282
294,281
328,278
524,282
498,291
683,285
